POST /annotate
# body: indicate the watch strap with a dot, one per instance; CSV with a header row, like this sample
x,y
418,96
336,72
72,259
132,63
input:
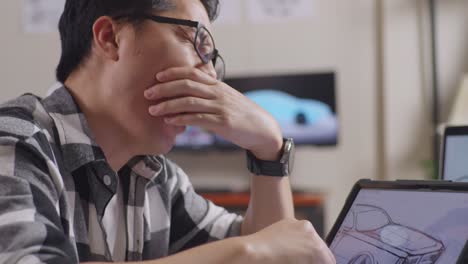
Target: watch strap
x,y
264,167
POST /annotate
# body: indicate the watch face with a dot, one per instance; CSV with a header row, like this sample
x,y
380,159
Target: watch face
x,y
288,156
291,158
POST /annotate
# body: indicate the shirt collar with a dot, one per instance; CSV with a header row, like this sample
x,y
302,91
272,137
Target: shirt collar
x,y
77,142
149,167
75,139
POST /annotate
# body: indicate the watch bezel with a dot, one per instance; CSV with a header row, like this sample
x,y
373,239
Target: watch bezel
x,y
287,158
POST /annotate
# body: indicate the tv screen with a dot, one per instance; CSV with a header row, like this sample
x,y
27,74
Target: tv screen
x,y
303,104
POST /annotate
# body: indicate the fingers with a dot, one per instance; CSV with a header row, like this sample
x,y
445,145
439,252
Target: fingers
x,y
320,245
306,226
328,254
331,256
184,105
298,243
180,88
189,73
207,121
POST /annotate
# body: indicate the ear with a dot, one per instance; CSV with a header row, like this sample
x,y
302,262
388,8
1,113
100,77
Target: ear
x,y
106,42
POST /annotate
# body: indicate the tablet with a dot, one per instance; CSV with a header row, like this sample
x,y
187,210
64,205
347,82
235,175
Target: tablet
x,y
402,222
454,154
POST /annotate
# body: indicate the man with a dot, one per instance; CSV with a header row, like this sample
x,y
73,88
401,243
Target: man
x,y
83,176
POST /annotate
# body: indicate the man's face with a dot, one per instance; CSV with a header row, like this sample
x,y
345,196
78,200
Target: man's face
x,y
144,52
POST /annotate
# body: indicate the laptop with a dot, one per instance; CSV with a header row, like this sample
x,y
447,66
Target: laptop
x,y
454,154
402,222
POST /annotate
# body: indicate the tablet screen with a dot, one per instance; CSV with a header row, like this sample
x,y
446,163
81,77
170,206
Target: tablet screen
x,y
403,226
456,158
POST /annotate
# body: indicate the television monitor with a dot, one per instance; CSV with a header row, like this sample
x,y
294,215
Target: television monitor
x,y
303,104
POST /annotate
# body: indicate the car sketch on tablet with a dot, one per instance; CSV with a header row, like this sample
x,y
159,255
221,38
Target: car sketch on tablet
x,y
402,227
377,239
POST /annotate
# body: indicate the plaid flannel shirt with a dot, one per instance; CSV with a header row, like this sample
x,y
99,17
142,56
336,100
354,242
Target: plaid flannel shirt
x,y
60,201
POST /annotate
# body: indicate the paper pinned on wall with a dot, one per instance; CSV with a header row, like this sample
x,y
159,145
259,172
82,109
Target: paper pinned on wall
x,y
230,13
274,11
42,16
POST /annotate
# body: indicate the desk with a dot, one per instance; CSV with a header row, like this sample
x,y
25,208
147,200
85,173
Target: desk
x,y
308,206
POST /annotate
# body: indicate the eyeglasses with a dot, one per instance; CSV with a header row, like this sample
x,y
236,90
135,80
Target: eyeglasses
x,y
203,41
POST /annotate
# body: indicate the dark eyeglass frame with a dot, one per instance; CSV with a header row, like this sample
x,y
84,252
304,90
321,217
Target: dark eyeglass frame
x,y
212,57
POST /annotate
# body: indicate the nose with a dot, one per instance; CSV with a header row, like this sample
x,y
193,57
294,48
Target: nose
x,y
208,69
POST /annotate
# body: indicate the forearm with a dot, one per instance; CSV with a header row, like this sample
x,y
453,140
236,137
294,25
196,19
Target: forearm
x,y
228,251
270,201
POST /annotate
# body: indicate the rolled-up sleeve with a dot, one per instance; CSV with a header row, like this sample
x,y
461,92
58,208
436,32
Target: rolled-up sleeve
x,y
30,227
195,220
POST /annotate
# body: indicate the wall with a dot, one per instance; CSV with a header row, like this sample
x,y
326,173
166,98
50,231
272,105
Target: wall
x,y
452,49
27,61
408,82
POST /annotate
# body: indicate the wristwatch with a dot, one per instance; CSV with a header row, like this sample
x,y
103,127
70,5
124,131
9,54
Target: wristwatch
x,y
280,168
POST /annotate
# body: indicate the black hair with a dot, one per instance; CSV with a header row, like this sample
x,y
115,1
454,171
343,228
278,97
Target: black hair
x,y
78,17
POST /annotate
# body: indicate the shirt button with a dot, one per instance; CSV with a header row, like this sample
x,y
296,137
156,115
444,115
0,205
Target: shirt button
x,y
107,180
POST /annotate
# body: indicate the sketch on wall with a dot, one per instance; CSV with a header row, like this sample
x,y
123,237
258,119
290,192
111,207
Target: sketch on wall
x,y
42,16
231,13
267,11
